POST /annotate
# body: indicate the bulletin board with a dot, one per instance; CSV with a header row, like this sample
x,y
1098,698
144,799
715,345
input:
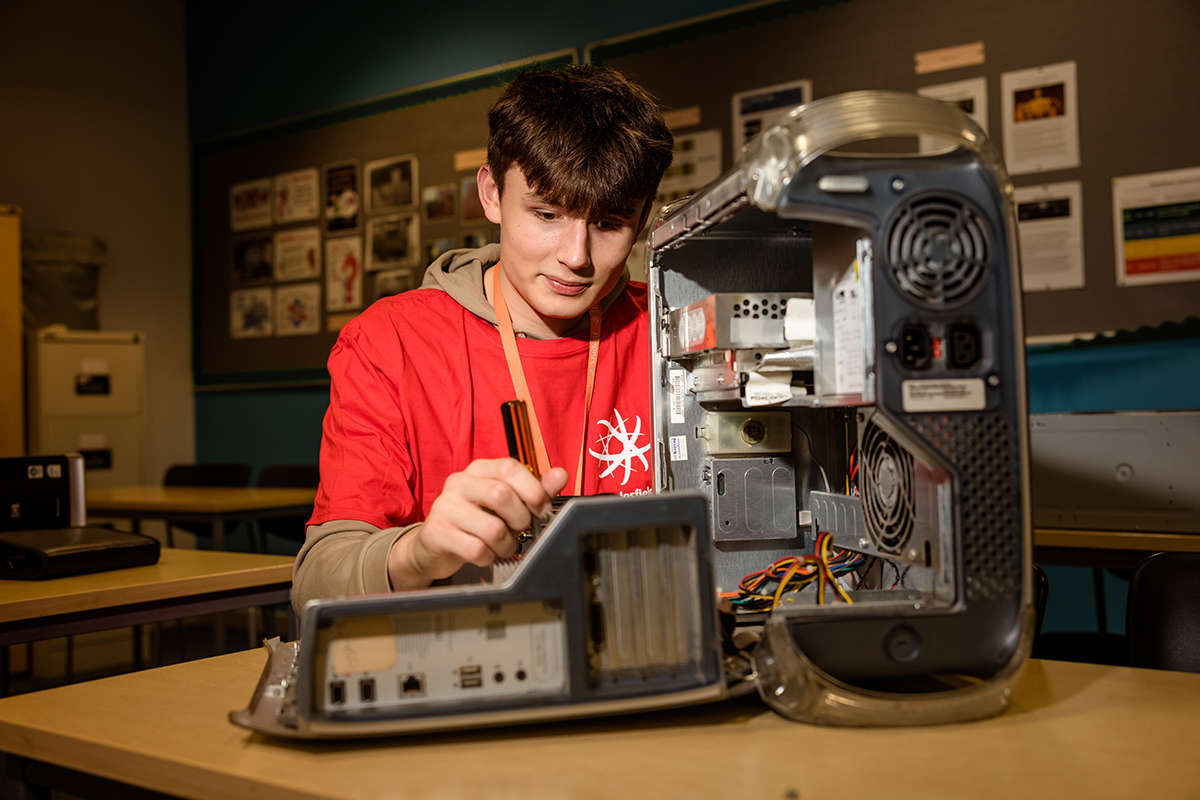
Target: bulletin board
x,y
299,227
1136,66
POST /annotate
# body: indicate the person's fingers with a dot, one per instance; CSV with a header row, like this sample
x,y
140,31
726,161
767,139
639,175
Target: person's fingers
x,y
554,481
494,496
531,490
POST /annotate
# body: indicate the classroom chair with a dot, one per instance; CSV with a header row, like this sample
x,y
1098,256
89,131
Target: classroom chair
x,y
207,474
1162,619
305,476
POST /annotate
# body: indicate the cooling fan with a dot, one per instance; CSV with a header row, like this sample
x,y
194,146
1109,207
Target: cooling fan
x,y
937,248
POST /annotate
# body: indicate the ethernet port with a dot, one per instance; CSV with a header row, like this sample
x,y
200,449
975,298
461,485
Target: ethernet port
x,y
412,684
963,348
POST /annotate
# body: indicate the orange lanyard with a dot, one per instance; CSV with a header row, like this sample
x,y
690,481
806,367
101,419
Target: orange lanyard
x,y
508,338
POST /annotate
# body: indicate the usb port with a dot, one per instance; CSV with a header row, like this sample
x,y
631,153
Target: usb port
x,y
366,690
337,692
470,677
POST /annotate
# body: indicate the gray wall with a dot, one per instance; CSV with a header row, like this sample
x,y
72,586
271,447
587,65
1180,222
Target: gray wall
x,y
94,139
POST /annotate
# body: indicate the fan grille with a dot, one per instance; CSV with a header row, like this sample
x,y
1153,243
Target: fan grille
x,y
938,249
888,491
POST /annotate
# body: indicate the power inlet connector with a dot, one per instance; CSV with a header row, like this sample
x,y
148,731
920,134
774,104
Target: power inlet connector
x,y
916,346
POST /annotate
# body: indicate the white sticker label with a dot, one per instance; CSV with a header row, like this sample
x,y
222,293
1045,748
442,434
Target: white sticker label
x,y
848,335
959,394
767,390
800,320
678,448
677,378
694,326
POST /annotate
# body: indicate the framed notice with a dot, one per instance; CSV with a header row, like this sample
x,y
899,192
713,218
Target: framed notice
x,y
253,258
1156,220
298,254
438,202
343,273
394,281
391,184
296,196
298,309
393,240
250,313
754,109
343,203
250,205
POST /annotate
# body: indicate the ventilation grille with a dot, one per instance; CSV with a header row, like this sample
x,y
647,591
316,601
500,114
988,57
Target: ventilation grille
x,y
938,249
759,307
888,491
984,448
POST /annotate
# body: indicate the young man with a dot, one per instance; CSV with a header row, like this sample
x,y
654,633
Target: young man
x,y
416,484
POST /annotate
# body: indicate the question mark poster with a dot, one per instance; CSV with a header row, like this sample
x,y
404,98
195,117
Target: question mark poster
x,y
343,273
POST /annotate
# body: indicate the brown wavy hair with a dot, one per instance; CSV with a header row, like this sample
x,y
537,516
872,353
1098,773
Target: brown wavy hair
x,y
587,139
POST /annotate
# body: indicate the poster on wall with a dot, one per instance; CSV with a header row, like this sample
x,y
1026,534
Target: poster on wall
x,y
1156,220
250,313
695,161
343,273
342,200
252,259
754,109
1050,227
296,195
432,250
298,254
391,184
298,309
393,240
438,203
1041,118
250,205
969,95
394,281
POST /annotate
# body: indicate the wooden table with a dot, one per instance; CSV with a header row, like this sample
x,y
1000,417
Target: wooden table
x,y
1075,730
214,505
183,583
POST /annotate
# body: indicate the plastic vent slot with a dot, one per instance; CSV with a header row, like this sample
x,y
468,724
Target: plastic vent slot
x,y
984,448
887,486
938,249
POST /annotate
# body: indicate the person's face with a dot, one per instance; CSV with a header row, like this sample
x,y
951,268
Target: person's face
x,y
553,266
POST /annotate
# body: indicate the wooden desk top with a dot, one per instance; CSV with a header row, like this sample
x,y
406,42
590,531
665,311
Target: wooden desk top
x,y
1117,540
196,499
1075,730
178,573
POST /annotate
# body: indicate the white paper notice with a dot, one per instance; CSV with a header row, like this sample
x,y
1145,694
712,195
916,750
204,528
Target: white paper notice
x,y
1050,225
1041,118
296,195
969,95
847,335
767,390
298,309
755,109
343,273
1157,227
298,254
677,379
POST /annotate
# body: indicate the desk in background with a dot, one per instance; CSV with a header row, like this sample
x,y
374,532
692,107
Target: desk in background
x,y
183,583
1073,730
214,505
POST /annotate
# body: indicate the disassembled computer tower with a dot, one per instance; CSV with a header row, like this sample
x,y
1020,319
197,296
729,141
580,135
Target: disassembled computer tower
x,y
838,350
837,369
